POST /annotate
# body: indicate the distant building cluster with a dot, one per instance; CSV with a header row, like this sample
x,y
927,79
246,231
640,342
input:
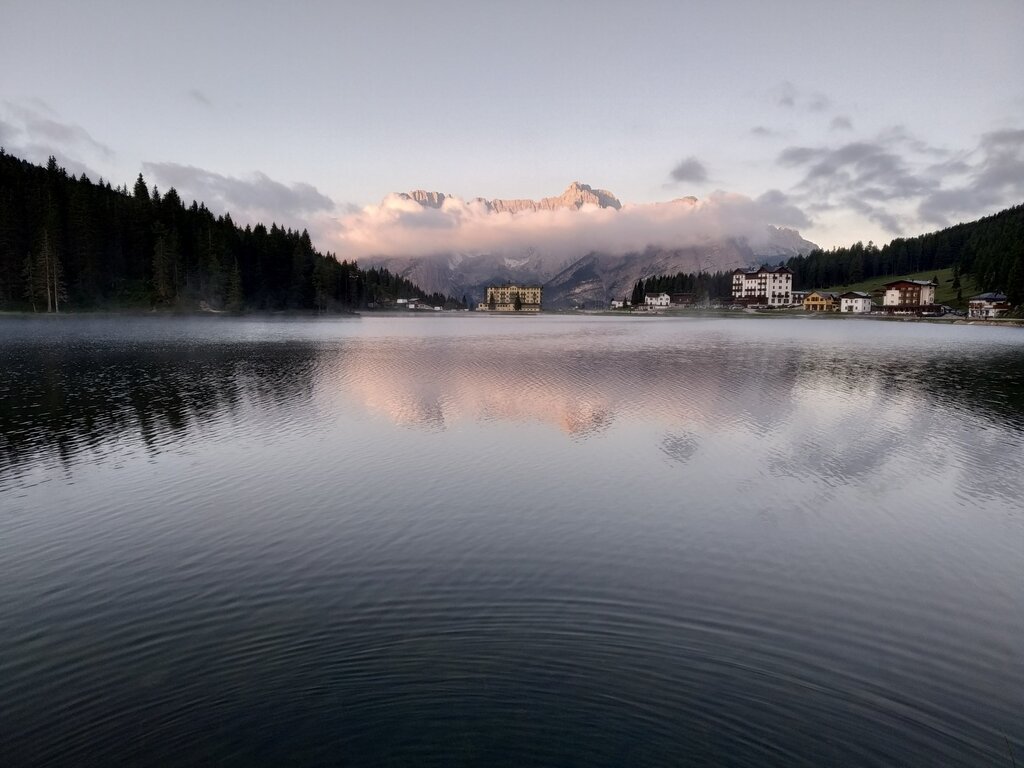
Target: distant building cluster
x,y
417,304
910,297
768,288
654,301
512,298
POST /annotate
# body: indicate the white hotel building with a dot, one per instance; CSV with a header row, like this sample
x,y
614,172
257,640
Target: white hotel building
x,y
763,286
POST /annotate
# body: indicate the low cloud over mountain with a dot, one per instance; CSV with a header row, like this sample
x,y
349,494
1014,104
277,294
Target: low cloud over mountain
x,y
449,244
581,220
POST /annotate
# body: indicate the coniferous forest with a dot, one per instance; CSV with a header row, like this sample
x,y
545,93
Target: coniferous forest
x,y
70,243
990,249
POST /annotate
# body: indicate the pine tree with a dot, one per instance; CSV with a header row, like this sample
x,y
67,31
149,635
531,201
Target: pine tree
x,y
35,286
141,192
638,294
163,289
517,303
236,297
1015,283
49,270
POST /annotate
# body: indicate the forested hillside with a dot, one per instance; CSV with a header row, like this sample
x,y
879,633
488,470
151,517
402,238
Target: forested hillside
x,y
703,286
70,243
990,250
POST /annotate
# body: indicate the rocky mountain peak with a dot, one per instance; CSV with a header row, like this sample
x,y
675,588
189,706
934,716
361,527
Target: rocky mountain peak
x,y
425,198
576,195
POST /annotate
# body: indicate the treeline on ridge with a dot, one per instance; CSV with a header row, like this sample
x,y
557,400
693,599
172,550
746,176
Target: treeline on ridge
x,y
70,243
702,285
990,250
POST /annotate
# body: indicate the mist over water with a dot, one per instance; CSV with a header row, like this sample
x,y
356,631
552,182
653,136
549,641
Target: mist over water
x,y
511,541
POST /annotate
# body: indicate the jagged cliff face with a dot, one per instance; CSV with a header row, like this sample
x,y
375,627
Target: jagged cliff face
x,y
424,198
594,273
575,196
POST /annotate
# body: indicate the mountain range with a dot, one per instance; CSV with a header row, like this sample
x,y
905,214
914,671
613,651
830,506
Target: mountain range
x,y
591,275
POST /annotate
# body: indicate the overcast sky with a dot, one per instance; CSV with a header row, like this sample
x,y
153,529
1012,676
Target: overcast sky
x,y
869,119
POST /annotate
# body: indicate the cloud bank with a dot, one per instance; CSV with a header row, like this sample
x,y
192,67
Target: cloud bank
x,y
401,227
33,131
256,198
901,182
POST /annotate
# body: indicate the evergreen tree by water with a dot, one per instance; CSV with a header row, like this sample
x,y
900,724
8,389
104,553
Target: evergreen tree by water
x,y
69,243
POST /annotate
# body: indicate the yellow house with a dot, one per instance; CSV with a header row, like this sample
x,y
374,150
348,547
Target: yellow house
x,y
821,301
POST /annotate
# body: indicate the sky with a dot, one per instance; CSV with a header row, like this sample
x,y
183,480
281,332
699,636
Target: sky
x,y
848,121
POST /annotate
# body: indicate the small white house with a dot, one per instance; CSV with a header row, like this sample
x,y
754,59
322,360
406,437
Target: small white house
x,y
855,302
657,300
619,303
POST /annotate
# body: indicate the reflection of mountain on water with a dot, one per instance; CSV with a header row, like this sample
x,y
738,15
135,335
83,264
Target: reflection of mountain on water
x,y
832,408
719,382
580,391
784,409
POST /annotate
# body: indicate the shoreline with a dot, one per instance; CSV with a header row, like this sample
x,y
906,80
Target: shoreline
x,y
678,314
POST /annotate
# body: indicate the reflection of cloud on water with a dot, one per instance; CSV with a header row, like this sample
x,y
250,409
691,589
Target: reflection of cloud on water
x,y
580,392
774,411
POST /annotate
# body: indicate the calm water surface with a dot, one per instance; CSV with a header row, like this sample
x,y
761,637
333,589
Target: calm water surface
x,y
511,541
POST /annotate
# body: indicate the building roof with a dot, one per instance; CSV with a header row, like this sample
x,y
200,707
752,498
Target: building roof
x,y
989,297
763,270
824,294
855,295
920,283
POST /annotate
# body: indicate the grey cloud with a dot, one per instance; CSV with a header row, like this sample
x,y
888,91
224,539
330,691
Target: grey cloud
x,y
66,134
996,179
40,153
786,96
7,132
690,169
199,97
841,123
794,156
897,179
938,206
34,127
258,194
781,209
865,168
899,136
955,167
1012,139
760,130
878,214
818,102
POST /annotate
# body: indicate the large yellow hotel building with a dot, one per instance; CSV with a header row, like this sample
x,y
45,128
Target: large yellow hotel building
x,y
502,298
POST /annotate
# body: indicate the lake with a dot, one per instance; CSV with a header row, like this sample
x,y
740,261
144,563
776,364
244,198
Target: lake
x,y
466,540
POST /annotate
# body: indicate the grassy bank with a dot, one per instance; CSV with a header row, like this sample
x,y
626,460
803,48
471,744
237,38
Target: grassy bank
x,y
944,294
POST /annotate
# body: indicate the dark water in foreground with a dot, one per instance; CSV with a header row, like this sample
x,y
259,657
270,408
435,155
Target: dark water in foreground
x,y
506,542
